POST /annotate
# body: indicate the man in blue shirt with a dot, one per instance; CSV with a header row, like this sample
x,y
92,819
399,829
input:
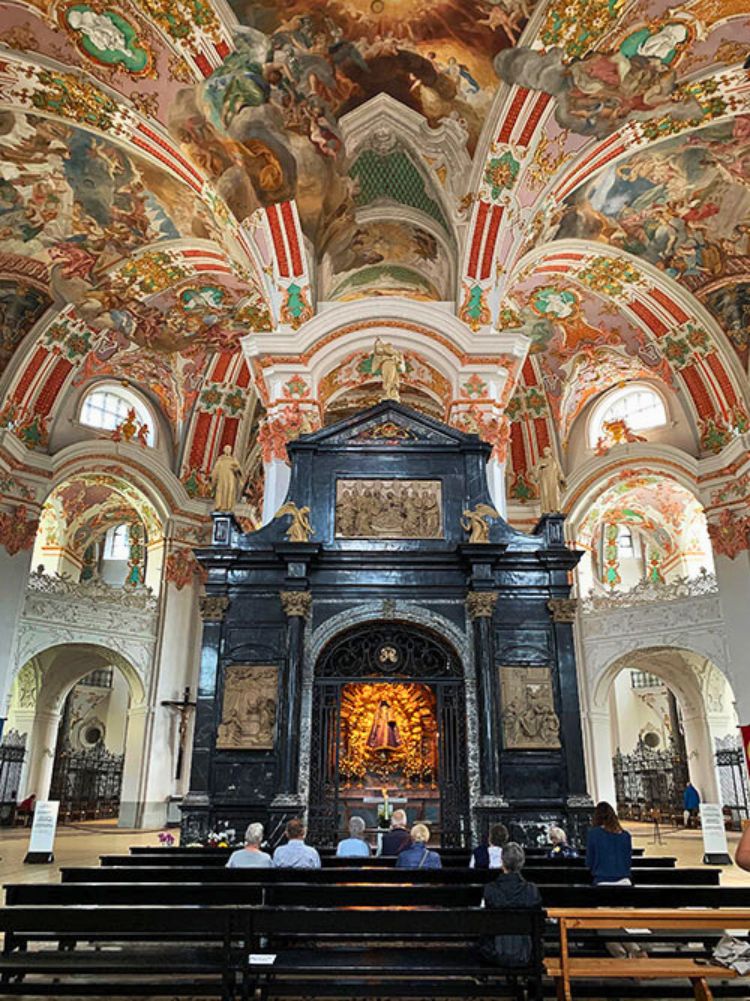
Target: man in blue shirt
x,y
295,854
691,802
355,845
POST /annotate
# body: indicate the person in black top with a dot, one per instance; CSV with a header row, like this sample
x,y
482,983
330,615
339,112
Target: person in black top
x,y
510,890
490,856
398,837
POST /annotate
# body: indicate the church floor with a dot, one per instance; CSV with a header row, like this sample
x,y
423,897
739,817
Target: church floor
x,y
83,844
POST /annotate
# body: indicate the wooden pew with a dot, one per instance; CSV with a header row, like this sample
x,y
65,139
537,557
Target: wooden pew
x,y
698,971
195,954
387,952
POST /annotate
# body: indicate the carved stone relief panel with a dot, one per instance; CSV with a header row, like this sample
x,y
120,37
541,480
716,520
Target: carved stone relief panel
x,y
528,709
248,718
389,509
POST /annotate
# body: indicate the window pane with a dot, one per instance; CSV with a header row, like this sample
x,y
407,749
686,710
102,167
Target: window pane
x,y
106,408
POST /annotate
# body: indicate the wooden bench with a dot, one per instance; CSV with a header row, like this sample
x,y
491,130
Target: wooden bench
x,y
604,968
196,953
384,952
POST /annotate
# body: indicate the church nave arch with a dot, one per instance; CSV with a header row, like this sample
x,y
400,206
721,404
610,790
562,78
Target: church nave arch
x,y
83,707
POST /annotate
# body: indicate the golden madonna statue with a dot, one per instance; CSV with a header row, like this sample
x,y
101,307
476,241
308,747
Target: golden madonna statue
x,y
384,733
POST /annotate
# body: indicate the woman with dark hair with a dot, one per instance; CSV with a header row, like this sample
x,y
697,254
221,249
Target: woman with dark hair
x,y
609,849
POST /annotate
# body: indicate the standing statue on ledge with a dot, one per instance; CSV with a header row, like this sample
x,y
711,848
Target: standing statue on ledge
x,y
551,482
389,363
476,524
225,479
300,528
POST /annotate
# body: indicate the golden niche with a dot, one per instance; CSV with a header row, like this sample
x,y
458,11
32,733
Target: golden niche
x,y
248,718
389,509
388,730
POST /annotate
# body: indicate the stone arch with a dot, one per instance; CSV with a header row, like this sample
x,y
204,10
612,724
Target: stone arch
x,y
686,673
400,611
57,669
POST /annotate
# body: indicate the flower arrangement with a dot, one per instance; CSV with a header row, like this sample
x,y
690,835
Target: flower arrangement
x,y
166,839
224,837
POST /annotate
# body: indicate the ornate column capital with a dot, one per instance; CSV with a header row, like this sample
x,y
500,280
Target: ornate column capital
x,y
563,609
481,604
296,603
213,607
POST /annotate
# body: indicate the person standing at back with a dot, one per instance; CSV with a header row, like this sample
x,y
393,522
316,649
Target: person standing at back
x,y
609,849
691,801
250,857
490,856
295,854
398,837
355,845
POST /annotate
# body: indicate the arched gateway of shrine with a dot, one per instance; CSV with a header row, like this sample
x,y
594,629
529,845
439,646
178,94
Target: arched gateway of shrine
x,y
387,657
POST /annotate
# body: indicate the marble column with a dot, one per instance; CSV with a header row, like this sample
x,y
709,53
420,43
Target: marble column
x,y
196,805
700,755
602,775
496,486
733,577
296,605
563,612
41,752
277,475
481,606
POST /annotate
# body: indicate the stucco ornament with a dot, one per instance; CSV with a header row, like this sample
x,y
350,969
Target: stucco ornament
x,y
476,522
299,529
388,362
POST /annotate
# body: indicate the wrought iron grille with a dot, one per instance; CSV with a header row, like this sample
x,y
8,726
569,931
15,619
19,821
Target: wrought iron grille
x,y
733,784
12,755
388,650
383,652
648,778
87,783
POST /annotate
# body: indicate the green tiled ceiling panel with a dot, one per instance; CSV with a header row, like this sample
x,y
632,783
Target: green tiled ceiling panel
x,y
393,176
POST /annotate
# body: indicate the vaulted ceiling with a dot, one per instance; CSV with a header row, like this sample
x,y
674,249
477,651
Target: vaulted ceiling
x,y
175,175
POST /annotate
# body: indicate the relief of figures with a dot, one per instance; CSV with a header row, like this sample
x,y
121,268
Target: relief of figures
x,y
248,718
528,709
389,509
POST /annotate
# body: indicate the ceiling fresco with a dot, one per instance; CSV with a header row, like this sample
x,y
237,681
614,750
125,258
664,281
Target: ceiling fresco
x,y
176,175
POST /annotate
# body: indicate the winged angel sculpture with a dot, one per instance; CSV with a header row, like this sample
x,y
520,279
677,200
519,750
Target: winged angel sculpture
x,y
476,522
299,529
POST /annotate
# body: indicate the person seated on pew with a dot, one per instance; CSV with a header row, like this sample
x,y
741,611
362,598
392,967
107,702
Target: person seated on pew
x,y
418,855
251,857
609,849
398,837
490,856
355,845
295,854
510,890
560,849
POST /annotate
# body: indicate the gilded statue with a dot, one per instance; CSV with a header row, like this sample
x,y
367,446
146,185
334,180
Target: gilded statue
x,y
225,479
389,363
476,522
551,482
384,733
300,528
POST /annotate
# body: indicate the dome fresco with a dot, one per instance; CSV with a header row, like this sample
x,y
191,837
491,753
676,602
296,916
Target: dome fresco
x,y
176,177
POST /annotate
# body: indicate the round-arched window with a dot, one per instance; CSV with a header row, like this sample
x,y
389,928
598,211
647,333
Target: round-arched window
x,y
638,405
107,405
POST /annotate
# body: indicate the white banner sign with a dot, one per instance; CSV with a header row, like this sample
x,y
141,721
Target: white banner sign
x,y
43,828
714,835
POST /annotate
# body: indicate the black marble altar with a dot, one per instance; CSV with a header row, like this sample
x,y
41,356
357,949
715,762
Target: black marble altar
x,y
476,606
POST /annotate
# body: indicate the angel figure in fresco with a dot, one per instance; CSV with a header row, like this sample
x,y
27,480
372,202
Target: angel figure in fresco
x,y
384,734
476,524
389,363
300,528
225,477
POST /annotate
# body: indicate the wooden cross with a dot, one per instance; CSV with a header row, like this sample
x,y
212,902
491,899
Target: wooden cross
x,y
183,708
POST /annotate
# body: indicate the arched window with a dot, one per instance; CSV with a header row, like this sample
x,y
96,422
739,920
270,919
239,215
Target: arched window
x,y
625,542
107,405
638,405
117,543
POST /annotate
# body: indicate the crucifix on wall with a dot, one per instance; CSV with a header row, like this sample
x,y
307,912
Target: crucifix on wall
x,y
184,709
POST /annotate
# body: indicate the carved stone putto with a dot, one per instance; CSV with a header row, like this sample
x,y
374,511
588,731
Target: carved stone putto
x,y
563,609
481,604
296,603
213,607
